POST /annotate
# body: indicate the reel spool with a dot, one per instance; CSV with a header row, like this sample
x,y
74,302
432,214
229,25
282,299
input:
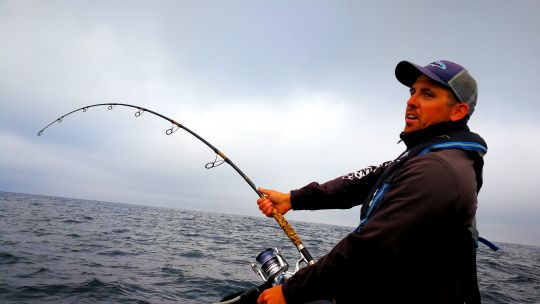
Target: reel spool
x,y
273,266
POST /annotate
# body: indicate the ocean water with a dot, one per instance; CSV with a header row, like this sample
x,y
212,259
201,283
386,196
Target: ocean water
x,y
63,250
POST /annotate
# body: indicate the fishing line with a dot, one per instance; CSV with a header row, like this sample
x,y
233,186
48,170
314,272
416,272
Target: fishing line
x,y
219,194
30,142
219,159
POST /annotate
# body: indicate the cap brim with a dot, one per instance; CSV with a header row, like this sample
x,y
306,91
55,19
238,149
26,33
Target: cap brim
x,y
407,72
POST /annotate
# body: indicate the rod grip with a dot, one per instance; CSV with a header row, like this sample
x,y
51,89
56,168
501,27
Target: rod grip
x,y
289,231
287,228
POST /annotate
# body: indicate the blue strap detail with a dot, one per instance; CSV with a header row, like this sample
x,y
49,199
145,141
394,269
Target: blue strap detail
x,y
487,243
462,145
377,197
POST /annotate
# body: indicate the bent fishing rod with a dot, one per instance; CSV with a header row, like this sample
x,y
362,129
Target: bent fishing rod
x,y
287,228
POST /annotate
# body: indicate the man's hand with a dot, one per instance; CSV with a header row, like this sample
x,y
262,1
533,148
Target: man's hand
x,y
272,295
274,199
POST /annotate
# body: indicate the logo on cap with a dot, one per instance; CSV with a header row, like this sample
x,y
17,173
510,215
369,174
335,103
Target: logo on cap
x,y
438,64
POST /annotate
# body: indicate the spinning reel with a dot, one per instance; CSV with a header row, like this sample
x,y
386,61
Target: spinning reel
x,y
273,266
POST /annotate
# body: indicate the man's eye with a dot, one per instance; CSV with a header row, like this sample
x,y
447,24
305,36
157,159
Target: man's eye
x,y
429,94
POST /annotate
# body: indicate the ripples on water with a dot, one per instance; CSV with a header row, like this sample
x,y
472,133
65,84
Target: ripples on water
x,y
61,250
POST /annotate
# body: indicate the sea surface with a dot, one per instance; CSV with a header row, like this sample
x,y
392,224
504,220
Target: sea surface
x,y
64,250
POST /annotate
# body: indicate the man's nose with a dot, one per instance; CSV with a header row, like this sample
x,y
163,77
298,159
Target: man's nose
x,y
412,101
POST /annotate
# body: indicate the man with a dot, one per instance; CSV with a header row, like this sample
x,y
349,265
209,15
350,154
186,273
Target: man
x,y
414,242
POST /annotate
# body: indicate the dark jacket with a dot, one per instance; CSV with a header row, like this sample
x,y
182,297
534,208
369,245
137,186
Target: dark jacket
x,y
416,247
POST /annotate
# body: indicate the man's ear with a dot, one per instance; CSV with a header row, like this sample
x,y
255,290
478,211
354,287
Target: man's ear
x,y
459,111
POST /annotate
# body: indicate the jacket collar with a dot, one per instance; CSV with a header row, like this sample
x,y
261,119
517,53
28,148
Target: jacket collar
x,y
439,130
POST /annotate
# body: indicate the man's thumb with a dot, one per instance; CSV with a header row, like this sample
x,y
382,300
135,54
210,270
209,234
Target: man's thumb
x,y
264,191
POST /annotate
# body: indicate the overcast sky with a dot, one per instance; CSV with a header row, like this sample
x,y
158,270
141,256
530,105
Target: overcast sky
x,y
291,91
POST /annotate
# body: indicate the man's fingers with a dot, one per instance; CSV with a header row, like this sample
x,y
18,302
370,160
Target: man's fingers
x,y
266,206
262,205
267,209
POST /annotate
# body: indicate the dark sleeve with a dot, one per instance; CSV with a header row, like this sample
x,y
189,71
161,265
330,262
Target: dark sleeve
x,y
341,193
423,189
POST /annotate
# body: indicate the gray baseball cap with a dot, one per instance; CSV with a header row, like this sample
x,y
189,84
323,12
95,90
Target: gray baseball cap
x,y
449,74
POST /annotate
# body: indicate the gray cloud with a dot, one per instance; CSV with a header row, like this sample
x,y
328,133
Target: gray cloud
x,y
292,92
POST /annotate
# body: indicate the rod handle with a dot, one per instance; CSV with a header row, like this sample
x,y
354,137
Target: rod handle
x,y
289,231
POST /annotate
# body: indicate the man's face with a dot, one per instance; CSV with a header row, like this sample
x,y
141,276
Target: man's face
x,y
429,104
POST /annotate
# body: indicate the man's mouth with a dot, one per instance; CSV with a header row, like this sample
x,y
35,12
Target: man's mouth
x,y
411,116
